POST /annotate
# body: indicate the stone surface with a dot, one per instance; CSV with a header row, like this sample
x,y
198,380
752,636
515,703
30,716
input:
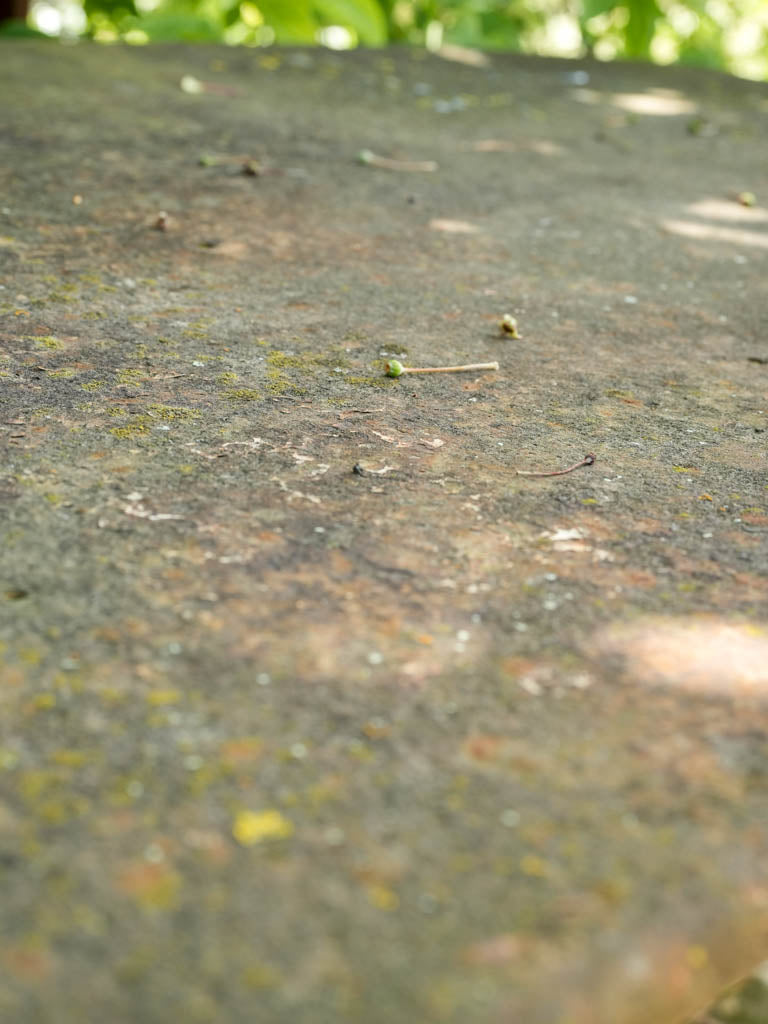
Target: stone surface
x,y
429,741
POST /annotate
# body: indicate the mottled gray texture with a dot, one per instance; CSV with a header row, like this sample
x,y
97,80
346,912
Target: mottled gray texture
x,y
284,742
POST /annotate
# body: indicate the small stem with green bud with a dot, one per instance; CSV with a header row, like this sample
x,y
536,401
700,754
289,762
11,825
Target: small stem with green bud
x,y
508,326
396,369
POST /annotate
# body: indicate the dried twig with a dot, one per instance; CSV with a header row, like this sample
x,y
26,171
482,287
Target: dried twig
x,y
586,461
366,156
394,368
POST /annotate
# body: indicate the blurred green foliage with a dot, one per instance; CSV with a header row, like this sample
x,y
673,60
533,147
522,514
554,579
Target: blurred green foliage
x,y
729,34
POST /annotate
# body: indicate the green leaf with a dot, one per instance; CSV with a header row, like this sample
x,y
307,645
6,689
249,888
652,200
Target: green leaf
x,y
366,17
115,9
641,27
293,22
17,28
591,8
166,27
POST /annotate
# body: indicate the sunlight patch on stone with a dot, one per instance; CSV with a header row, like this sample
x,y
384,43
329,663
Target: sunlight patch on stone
x,y
705,655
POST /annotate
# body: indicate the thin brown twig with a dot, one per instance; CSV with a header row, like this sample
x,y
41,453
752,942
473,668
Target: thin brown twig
x,y
586,461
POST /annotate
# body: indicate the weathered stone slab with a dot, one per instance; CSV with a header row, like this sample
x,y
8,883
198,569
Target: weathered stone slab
x,y
435,741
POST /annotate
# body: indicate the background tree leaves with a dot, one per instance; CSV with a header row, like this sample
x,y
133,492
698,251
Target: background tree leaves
x,y
693,31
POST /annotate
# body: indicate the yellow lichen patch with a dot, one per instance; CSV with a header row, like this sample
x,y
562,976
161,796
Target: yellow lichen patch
x,y
382,897
280,384
130,377
92,385
154,886
258,976
61,809
33,785
30,655
8,759
170,413
243,395
43,702
280,361
252,827
126,432
534,866
70,758
161,698
697,957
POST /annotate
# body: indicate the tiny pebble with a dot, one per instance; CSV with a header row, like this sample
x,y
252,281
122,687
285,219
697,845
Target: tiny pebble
x,y
530,686
427,903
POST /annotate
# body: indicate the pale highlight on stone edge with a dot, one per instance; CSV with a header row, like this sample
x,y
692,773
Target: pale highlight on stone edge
x,y
455,227
655,102
704,655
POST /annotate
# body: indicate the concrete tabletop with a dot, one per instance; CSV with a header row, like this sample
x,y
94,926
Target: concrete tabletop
x,y
317,707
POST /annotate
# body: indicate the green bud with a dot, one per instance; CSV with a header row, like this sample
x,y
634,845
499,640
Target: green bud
x,y
509,326
394,368
365,156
